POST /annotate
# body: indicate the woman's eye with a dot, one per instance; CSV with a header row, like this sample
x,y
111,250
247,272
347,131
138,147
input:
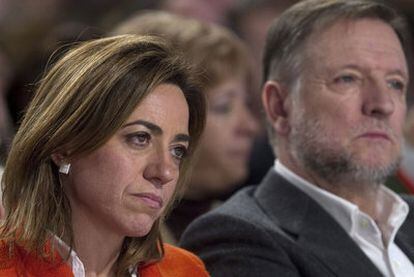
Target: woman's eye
x,y
139,139
179,152
224,108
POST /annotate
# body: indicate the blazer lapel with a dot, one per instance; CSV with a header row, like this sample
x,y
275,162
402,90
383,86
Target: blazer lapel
x,y
405,236
312,227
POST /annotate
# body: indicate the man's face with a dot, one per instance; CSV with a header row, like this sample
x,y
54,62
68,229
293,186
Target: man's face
x,y
348,112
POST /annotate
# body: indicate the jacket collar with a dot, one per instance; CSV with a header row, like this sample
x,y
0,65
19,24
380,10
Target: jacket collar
x,y
405,237
306,222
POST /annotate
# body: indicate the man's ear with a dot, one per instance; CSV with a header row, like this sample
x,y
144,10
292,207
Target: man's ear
x,y
274,99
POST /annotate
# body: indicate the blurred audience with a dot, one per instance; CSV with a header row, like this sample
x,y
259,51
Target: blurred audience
x,y
403,180
214,11
53,44
6,124
251,19
226,143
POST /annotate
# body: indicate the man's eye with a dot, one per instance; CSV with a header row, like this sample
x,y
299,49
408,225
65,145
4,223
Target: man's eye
x,y
179,152
345,79
346,82
396,85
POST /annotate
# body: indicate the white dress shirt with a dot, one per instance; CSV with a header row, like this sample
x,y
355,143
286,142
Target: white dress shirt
x,y
376,239
76,264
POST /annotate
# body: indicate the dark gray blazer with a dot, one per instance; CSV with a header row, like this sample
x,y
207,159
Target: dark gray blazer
x,y
275,229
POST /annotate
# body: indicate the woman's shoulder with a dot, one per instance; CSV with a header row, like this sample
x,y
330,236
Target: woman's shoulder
x,y
176,255
16,262
176,262
7,261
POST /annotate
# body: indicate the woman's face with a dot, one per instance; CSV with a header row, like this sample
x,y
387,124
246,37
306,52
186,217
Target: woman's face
x,y
124,186
226,143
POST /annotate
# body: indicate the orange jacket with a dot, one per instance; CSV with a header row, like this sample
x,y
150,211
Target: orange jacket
x,y
176,262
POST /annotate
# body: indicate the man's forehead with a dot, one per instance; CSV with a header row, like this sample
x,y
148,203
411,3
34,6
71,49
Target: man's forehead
x,y
358,39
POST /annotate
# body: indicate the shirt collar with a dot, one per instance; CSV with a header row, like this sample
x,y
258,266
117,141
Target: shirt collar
x,y
74,261
391,209
76,264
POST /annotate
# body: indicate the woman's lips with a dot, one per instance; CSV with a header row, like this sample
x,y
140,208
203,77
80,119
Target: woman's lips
x,y
150,199
242,154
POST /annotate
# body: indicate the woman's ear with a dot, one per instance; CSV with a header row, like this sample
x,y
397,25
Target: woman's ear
x,y
274,99
61,162
57,158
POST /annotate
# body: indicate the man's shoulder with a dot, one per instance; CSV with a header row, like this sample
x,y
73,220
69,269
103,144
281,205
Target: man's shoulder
x,y
240,238
249,202
241,217
242,204
259,208
409,198
243,208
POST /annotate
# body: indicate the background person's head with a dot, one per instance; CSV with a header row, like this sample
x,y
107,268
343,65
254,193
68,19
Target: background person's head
x,y
336,74
82,111
230,129
251,19
214,11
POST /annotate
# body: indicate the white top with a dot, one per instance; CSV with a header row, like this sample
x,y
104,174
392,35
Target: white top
x,y
76,264
376,239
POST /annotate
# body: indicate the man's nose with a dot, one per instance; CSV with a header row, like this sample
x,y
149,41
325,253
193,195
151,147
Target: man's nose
x,y
378,100
161,169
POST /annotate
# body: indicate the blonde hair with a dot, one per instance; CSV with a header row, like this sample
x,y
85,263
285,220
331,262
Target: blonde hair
x,y
80,103
213,50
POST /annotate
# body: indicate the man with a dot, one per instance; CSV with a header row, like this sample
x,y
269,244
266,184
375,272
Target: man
x,y
336,76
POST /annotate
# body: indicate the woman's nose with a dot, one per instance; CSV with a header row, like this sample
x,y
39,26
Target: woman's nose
x,y
249,125
161,169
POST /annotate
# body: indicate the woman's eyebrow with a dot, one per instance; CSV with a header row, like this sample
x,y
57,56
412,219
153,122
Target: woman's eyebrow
x,y
157,130
181,138
151,126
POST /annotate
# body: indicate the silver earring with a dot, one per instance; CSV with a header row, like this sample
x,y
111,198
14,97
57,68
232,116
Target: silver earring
x,y
64,168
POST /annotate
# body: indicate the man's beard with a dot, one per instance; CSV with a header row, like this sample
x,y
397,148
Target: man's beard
x,y
315,149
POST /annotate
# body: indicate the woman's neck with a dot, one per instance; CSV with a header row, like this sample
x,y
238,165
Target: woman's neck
x,y
98,249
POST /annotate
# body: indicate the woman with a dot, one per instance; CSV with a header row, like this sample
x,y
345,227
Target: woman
x,y
226,143
100,155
